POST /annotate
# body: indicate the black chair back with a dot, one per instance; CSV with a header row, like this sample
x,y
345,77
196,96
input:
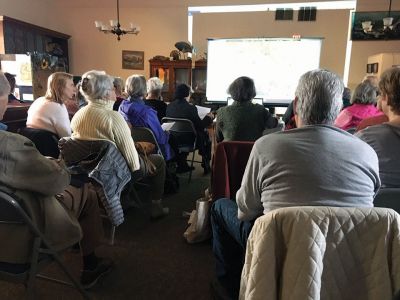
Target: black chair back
x,y
45,141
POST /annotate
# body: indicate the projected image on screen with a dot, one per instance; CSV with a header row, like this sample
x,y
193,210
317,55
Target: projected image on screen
x,y
275,65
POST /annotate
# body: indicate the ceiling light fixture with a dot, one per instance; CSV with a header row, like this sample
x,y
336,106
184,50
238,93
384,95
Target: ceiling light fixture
x,y
387,25
115,27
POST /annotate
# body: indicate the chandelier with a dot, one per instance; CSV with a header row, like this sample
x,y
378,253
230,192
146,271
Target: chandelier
x,y
115,27
387,25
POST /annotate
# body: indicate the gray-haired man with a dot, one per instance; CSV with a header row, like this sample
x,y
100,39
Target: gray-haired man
x,y
316,164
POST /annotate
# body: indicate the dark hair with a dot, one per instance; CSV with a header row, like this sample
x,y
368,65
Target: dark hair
x,y
182,91
389,85
242,89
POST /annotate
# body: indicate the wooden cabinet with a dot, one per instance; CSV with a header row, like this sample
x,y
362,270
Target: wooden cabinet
x,y
17,37
175,72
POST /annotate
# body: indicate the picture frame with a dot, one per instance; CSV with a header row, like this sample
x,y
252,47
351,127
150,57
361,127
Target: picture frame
x,y
133,60
373,26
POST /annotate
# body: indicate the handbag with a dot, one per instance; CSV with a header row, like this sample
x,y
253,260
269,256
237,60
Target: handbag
x,y
144,149
199,229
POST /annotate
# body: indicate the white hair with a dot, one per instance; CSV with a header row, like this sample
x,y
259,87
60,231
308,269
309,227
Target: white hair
x,y
96,85
319,97
154,84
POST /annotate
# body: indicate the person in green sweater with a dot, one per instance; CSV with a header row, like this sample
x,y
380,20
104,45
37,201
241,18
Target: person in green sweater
x,y
243,120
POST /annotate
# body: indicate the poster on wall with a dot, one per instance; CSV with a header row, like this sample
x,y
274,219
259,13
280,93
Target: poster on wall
x,y
133,60
367,26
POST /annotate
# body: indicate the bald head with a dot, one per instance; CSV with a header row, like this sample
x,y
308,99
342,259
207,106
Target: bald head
x,y
4,91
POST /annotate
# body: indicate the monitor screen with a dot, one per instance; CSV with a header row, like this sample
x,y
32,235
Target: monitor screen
x,y
275,65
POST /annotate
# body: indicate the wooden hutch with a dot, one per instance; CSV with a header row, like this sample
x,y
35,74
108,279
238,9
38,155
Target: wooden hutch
x,y
175,72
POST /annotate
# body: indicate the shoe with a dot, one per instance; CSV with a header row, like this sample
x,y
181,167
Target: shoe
x,y
90,277
184,169
158,211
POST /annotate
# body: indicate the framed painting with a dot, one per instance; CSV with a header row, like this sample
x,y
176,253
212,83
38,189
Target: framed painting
x,y
133,60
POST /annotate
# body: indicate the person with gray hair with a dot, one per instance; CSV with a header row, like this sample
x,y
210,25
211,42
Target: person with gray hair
x,y
316,164
35,179
97,120
119,92
137,114
363,105
154,98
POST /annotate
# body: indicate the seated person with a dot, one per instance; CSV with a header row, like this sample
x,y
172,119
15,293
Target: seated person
x,y
50,112
306,166
289,119
375,120
137,114
98,121
243,120
363,106
154,99
119,92
385,138
11,80
181,108
36,179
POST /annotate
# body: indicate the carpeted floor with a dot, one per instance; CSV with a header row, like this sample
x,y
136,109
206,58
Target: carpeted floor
x,y
152,260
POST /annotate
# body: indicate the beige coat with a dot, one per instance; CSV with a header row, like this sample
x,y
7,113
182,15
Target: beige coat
x,y
323,253
35,179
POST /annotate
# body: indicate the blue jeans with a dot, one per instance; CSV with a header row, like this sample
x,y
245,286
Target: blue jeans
x,y
229,243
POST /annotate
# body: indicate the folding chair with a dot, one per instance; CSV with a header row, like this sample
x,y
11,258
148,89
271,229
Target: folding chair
x,y
11,213
144,134
45,141
388,197
186,137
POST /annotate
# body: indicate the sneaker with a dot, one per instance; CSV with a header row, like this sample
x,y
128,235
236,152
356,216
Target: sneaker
x,y
90,277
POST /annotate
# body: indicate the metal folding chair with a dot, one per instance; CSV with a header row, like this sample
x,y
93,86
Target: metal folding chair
x,y
185,135
11,213
144,134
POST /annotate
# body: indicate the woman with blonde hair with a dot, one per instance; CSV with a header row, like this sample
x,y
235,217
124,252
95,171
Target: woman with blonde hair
x,y
50,112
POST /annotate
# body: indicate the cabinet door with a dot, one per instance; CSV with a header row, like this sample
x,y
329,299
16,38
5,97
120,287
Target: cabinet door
x,y
182,75
19,41
9,42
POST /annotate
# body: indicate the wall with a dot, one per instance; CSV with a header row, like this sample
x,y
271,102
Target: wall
x,y
164,22
263,24
361,50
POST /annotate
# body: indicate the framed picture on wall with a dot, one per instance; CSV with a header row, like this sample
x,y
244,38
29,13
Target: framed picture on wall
x,y
133,60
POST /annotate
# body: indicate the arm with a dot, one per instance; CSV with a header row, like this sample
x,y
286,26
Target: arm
x,y
270,121
60,120
124,142
24,168
248,197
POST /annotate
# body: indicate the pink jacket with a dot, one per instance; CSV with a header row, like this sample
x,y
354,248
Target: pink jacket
x,y
352,115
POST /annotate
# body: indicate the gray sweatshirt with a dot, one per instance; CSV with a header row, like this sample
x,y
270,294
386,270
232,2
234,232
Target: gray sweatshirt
x,y
314,165
385,139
